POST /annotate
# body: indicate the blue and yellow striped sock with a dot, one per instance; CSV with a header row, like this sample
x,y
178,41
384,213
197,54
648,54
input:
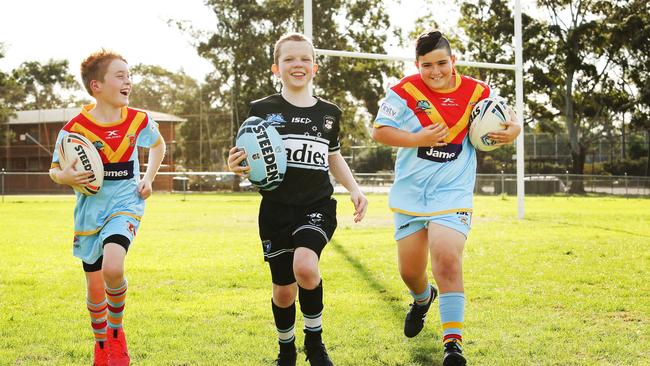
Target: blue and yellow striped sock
x,y
452,316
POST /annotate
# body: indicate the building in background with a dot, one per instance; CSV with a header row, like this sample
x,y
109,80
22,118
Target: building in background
x,y
31,142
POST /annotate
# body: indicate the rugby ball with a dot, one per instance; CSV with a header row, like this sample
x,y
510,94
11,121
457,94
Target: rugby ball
x,y
488,115
77,146
265,153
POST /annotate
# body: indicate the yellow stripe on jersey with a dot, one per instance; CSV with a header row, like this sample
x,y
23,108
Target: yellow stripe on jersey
x,y
436,213
157,142
95,231
435,116
464,120
133,128
113,156
413,91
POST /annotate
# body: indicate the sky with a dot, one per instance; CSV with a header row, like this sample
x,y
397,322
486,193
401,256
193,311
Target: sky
x,y
39,30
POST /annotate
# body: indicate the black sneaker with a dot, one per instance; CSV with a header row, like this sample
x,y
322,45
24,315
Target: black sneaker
x,y
414,321
453,355
286,359
317,354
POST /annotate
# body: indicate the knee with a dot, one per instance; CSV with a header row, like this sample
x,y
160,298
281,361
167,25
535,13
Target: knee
x,y
284,296
447,265
306,274
410,274
113,273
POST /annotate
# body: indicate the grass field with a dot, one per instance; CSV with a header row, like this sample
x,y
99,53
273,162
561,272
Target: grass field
x,y
569,285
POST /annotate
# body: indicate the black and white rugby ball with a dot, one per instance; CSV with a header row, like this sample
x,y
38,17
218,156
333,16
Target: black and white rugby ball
x,y
488,115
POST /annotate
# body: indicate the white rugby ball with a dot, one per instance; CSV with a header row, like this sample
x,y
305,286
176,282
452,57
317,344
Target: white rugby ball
x,y
77,146
488,115
264,153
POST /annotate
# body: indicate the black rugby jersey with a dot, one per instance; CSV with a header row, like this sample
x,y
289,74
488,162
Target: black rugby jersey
x,y
309,134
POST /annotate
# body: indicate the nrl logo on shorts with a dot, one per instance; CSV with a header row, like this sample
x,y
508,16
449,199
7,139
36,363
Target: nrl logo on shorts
x,y
328,122
275,118
315,218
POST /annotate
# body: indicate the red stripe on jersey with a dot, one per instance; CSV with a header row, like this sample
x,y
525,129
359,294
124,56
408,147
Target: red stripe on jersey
x,y
450,107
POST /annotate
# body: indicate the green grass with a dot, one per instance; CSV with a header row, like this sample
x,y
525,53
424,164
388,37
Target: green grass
x,y
569,285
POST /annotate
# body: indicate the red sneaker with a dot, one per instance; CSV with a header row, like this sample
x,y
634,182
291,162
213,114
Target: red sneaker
x,y
101,354
118,354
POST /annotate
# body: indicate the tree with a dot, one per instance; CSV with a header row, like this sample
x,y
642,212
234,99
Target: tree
x,y
631,27
241,50
197,145
11,95
576,76
45,84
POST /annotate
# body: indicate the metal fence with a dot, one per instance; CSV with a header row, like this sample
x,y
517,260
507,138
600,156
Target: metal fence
x,y
12,183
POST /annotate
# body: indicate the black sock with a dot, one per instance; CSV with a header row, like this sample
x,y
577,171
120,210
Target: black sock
x,y
285,319
311,305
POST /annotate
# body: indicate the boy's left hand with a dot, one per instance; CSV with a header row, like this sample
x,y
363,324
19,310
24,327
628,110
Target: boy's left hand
x,y
510,133
144,188
360,205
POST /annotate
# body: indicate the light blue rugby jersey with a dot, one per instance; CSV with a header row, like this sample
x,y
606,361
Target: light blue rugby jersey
x,y
424,187
116,197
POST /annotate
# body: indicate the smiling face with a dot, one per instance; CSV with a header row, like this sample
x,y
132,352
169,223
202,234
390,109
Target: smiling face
x,y
437,69
295,64
115,87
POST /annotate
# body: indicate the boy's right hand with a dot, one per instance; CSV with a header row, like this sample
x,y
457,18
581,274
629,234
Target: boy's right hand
x,y
71,177
432,135
235,157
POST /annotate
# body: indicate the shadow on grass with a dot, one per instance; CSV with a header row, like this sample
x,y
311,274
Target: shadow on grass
x,y
583,226
422,349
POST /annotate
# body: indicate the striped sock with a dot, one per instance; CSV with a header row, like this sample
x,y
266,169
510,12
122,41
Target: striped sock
x,y
311,305
285,320
116,298
423,298
452,314
98,318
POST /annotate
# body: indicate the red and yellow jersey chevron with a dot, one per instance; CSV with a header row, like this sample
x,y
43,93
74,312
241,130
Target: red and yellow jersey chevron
x,y
115,141
450,106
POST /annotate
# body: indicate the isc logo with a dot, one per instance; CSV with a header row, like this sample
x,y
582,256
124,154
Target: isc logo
x,y
303,120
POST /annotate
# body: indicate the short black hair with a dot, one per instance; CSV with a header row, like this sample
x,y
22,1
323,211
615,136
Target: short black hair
x,y
429,41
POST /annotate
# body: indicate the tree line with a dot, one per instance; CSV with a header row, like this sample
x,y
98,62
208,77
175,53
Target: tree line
x,y
586,66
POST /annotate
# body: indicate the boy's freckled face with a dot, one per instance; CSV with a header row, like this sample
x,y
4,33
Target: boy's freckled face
x,y
116,87
295,65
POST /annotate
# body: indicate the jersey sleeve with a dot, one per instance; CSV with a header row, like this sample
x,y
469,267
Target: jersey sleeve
x,y
56,157
150,135
335,142
392,111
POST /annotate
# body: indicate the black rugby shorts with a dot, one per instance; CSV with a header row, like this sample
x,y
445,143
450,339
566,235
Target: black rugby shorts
x,y
283,228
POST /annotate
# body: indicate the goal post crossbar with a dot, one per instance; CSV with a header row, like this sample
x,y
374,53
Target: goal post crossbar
x,y
385,57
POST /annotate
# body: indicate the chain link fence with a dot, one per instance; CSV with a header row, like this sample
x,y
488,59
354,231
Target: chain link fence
x,y
12,183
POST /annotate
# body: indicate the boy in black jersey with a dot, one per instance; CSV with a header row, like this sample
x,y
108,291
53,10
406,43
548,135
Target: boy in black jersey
x,y
297,219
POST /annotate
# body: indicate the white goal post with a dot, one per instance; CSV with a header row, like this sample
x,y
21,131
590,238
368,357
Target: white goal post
x,y
517,68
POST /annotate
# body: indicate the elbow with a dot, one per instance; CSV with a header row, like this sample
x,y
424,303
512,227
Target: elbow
x,y
378,135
